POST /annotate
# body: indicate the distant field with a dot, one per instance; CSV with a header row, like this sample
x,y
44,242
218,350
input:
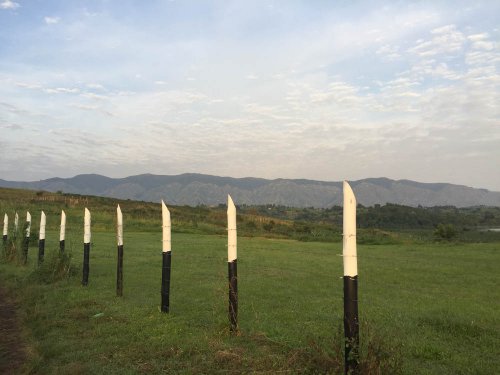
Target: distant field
x,y
434,306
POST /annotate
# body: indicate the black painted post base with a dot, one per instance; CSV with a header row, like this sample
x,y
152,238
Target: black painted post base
x,y
351,325
26,244
165,281
61,246
233,295
86,256
5,238
119,272
41,251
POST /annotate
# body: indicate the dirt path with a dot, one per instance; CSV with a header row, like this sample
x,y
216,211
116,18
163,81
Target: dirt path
x,y
12,352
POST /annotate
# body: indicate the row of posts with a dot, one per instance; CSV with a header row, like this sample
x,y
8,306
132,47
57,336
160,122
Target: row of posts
x,y
351,321
26,239
166,252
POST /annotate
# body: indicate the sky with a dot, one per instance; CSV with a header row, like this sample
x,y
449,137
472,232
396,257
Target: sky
x,y
324,90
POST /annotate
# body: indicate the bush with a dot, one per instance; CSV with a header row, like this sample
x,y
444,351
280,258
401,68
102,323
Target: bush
x,y
445,232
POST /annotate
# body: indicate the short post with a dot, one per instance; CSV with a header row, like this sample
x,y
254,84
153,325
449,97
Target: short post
x,y
351,320
86,247
41,239
119,239
26,242
232,264
166,258
5,230
62,232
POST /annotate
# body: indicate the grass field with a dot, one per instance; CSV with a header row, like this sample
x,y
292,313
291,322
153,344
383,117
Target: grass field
x,y
426,309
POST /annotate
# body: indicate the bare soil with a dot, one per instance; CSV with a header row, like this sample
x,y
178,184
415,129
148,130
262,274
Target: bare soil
x,y
12,349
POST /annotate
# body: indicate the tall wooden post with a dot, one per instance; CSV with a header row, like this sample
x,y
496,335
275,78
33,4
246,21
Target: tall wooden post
x,y
166,258
232,260
62,232
86,247
41,239
119,264
351,320
26,242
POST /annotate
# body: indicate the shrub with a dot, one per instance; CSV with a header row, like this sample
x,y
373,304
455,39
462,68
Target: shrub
x,y
445,232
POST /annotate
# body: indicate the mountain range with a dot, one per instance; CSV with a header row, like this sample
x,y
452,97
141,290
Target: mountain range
x,y
196,189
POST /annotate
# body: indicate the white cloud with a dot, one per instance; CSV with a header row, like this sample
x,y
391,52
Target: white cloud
x,y
51,20
32,86
8,4
90,95
61,90
95,86
446,40
478,37
389,52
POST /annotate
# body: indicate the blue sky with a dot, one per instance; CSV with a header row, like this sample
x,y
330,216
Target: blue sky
x,y
294,89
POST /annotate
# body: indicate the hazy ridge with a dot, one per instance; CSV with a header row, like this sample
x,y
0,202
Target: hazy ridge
x,y
195,189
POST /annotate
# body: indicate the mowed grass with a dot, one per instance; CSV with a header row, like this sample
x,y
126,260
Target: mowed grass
x,y
434,307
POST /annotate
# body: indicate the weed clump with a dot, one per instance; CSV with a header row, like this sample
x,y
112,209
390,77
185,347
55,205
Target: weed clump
x,y
13,250
9,251
378,355
57,266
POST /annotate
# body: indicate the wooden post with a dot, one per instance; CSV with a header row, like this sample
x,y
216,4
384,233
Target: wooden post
x,y
232,260
26,242
41,239
119,239
62,232
5,230
86,247
351,320
166,258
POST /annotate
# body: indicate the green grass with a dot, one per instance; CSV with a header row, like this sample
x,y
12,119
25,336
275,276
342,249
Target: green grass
x,y
435,307
425,307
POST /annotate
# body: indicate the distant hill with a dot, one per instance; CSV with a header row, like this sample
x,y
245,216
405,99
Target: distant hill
x,y
195,189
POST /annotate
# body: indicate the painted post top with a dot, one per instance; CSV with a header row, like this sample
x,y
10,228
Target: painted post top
x,y
43,223
232,253
86,227
28,221
166,228
5,224
119,226
349,232
62,230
